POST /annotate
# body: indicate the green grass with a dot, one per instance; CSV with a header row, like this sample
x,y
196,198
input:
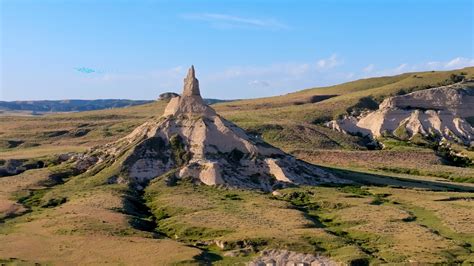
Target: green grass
x,y
424,172
278,119
340,222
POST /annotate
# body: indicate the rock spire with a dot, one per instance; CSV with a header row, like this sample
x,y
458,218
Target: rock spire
x,y
190,102
192,141
191,84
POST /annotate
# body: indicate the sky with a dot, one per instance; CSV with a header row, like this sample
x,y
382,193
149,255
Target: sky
x,y
86,49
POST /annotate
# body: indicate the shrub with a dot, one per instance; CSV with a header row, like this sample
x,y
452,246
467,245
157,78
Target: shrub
x,y
456,78
181,156
364,103
401,132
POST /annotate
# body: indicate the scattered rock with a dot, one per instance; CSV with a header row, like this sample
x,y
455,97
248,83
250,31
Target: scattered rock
x,y
65,156
85,162
276,193
276,257
221,244
17,166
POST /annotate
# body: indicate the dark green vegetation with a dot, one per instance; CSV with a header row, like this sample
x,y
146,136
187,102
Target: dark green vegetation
x,y
403,205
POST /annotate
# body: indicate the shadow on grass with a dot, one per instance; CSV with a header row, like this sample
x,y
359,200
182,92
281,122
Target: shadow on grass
x,y
385,180
207,257
141,217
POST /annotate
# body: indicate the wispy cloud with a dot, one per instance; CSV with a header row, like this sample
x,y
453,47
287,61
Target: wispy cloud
x,y
330,62
369,68
259,83
274,74
277,78
243,81
457,62
227,21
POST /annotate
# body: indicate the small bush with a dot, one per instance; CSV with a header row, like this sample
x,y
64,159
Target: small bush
x,y
456,78
181,156
232,196
54,202
364,103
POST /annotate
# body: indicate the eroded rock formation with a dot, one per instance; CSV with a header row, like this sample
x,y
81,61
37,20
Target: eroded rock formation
x,y
438,112
192,141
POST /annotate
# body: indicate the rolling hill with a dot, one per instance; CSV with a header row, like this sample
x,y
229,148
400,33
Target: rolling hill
x,y
404,203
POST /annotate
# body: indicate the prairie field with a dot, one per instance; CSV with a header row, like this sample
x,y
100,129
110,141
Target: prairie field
x,y
404,202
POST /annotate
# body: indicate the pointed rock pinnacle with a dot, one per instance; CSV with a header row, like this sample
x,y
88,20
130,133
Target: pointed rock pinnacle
x,y
191,84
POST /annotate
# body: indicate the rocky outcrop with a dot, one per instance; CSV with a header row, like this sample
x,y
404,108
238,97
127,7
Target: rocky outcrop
x,y
167,96
439,112
284,257
457,100
190,140
17,166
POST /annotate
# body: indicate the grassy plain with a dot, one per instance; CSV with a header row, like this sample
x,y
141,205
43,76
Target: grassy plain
x,y
404,206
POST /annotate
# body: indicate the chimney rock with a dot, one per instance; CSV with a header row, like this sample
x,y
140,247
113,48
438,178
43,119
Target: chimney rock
x,y
191,84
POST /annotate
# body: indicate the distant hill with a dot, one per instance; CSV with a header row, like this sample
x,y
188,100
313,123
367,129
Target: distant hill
x,y
76,105
67,105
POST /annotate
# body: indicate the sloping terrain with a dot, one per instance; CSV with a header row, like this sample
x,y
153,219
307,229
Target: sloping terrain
x,y
389,214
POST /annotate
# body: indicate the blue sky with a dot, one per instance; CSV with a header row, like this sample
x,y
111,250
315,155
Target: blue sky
x,y
87,49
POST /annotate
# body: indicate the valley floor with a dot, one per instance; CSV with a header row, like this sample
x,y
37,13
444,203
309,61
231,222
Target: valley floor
x,y
84,220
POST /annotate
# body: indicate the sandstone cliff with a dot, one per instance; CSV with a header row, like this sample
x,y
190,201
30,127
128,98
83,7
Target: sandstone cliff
x,y
438,112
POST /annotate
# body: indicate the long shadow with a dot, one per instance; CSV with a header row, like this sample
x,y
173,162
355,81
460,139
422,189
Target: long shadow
x,y
141,217
386,180
206,257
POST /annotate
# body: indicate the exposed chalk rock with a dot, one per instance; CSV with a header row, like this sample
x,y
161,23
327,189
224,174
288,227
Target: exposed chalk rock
x,y
193,141
439,111
276,257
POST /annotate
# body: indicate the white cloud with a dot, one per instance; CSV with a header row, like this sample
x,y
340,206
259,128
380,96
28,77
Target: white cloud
x,y
274,79
350,75
330,62
289,70
259,83
259,80
401,68
369,68
455,63
459,62
232,21
274,75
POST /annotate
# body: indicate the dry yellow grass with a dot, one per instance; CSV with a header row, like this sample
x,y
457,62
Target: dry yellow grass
x,y
93,227
85,230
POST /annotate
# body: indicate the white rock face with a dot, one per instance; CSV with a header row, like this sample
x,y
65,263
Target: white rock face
x,y
192,138
276,257
439,111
